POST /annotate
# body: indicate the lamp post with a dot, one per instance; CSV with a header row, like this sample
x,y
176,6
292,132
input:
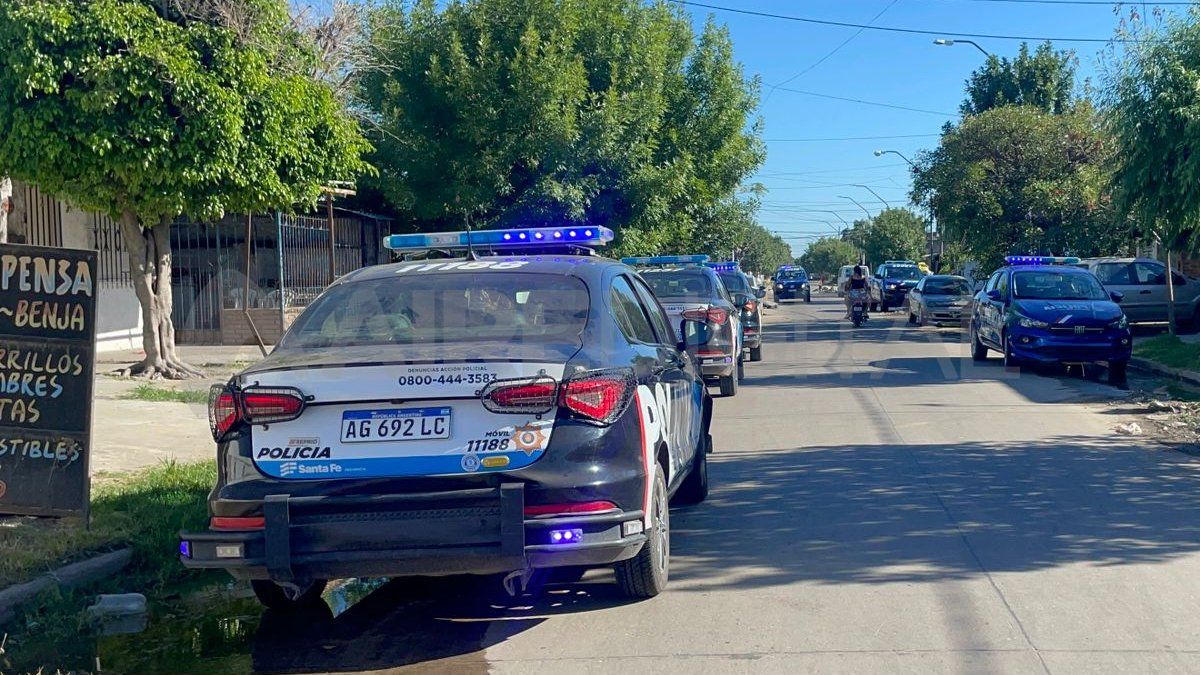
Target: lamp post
x,y
864,209
881,153
932,220
877,196
946,42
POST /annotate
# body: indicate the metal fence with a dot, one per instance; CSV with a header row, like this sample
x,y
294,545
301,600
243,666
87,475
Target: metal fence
x,y
110,247
43,216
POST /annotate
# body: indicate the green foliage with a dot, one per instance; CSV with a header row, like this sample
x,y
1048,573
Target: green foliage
x,y
894,234
1153,105
161,394
533,112
762,251
1017,179
121,108
1170,351
826,256
1044,79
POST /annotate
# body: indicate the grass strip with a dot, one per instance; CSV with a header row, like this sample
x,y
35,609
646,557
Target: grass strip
x,y
150,392
1169,351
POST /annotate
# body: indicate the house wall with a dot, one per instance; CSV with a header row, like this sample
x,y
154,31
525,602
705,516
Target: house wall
x,y
118,314
235,330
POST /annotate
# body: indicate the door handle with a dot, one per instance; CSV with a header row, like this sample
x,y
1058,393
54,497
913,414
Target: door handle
x,y
1145,292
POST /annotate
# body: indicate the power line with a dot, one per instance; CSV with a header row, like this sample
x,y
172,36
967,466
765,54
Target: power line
x,y
846,138
848,169
835,50
894,29
863,102
1106,3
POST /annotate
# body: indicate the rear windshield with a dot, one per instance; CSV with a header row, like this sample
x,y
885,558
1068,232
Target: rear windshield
x,y
1051,285
679,283
901,272
734,281
445,308
947,287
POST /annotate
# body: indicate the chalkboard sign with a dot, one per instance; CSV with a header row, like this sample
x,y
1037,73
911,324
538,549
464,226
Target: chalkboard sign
x,y
47,349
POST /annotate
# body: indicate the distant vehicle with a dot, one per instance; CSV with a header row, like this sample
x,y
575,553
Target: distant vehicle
x,y
892,282
492,414
748,299
792,283
844,275
1143,281
939,298
689,290
1043,310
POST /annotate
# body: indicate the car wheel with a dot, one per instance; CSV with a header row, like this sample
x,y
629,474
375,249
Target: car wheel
x,y
645,574
883,306
277,596
979,351
695,487
1010,359
1117,376
741,369
912,319
808,296
756,354
729,385
874,306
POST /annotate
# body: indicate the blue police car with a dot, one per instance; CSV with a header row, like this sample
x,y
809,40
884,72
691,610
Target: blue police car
x,y
1043,310
526,409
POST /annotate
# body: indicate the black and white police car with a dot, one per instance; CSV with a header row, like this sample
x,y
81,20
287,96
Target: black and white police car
x,y
526,410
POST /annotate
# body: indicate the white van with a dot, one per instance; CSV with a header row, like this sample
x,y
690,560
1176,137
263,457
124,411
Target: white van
x,y
844,275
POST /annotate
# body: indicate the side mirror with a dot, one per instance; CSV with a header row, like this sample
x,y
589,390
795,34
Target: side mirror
x,y
994,295
1117,296
695,333
760,292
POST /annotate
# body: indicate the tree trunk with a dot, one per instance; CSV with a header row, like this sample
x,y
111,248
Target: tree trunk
x,y
149,251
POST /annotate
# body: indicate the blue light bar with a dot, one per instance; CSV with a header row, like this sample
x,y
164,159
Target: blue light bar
x,y
666,260
526,237
725,266
1040,260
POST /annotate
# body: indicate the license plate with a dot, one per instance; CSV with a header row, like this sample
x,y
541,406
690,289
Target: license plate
x,y
395,424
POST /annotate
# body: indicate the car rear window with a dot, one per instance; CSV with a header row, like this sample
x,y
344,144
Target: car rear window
x,y
1051,285
445,308
902,272
947,287
679,283
734,281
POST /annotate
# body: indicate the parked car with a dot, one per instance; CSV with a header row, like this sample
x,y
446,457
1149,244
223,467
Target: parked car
x,y
689,290
1043,310
792,283
892,282
748,299
939,298
484,415
1143,282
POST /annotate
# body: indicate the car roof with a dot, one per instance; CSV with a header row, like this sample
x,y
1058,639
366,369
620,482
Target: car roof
x,y
586,267
1040,268
945,276
1113,259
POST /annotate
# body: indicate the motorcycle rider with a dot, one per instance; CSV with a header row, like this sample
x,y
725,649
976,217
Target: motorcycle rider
x,y
856,282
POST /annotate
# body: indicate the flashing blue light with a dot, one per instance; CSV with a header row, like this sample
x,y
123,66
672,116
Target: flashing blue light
x,y
566,536
1040,260
666,260
185,549
497,238
725,267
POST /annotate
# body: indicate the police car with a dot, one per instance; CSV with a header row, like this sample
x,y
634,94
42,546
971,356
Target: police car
x,y
690,290
747,300
1043,310
508,413
792,283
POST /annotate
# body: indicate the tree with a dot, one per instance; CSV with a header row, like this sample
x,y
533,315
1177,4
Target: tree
x,y
149,109
1044,79
1019,180
826,256
894,234
588,112
763,252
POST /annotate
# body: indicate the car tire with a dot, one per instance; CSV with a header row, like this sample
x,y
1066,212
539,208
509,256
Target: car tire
x,y
912,319
1117,375
741,370
1010,359
883,307
729,385
645,575
756,354
979,351
276,596
874,307
808,296
695,487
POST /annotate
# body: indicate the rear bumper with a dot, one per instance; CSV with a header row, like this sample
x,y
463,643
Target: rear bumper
x,y
474,531
946,314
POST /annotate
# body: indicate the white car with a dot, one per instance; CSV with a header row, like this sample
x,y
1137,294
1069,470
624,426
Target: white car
x,y
845,273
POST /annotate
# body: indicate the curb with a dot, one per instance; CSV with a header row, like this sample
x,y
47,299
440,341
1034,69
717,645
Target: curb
x,y
67,576
1148,366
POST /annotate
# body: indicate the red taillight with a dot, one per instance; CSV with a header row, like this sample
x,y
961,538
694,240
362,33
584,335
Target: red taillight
x,y
261,406
222,523
569,509
712,315
601,397
539,395
222,411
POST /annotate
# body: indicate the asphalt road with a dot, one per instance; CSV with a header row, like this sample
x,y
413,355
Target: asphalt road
x,y
880,504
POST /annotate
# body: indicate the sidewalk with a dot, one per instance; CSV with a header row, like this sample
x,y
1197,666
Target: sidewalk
x,y
131,434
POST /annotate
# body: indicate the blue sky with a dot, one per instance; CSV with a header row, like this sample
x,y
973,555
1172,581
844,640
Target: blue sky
x,y
806,178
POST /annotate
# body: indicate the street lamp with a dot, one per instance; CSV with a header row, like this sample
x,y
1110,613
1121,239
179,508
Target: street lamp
x,y
932,220
885,202
857,204
944,42
881,153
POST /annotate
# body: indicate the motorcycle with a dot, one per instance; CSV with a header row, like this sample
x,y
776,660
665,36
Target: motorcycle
x,y
858,306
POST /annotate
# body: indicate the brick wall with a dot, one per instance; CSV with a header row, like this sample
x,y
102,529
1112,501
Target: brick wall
x,y
236,331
